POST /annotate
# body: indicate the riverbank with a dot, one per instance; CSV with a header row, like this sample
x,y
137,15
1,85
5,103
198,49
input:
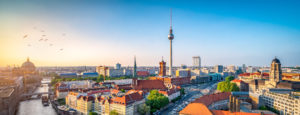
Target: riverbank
x,y
35,106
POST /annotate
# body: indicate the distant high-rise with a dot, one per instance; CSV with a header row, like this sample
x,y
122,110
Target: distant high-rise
x,y
219,68
197,62
134,68
244,68
118,66
162,68
183,66
171,37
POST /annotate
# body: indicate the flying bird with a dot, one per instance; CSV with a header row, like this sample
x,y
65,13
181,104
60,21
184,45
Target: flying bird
x,y
41,39
46,40
63,34
61,49
28,45
25,36
44,35
50,44
42,31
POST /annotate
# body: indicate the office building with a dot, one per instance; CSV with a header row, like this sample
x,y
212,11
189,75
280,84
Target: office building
x,y
118,66
218,68
197,62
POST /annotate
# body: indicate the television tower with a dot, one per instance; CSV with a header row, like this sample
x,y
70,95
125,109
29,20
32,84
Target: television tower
x,y
171,37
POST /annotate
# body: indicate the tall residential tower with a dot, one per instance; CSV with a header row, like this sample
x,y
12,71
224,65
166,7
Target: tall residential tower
x,y
196,62
171,37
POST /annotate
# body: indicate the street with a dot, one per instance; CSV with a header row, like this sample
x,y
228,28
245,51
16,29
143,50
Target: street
x,y
193,92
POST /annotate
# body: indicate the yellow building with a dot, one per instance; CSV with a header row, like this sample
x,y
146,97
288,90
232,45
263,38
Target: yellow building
x,y
183,73
123,105
85,104
103,103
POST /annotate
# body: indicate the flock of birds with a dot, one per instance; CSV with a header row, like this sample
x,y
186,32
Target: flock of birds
x,y
43,38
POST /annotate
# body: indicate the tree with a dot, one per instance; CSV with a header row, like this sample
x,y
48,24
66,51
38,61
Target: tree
x,y
144,109
226,86
229,78
113,112
263,108
156,100
122,90
93,113
182,91
234,87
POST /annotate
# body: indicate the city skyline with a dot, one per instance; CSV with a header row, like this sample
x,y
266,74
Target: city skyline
x,y
102,34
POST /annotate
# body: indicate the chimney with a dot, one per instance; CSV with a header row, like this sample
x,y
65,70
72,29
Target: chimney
x,y
230,105
237,105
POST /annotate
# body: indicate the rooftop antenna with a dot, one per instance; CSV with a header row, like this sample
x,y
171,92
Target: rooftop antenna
x,y
171,18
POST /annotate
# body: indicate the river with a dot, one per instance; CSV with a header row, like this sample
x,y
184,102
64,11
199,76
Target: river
x,y
35,106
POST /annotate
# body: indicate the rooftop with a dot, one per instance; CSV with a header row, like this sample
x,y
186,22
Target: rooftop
x,y
221,112
6,91
209,99
196,109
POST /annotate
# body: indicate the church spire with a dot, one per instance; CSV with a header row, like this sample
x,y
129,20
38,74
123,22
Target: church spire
x,y
134,68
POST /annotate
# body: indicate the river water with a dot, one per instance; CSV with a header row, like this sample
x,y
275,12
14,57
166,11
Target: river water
x,y
35,106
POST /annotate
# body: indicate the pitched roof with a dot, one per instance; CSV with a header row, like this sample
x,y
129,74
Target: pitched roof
x,y
129,98
150,84
245,74
209,99
97,91
196,109
220,112
237,80
142,73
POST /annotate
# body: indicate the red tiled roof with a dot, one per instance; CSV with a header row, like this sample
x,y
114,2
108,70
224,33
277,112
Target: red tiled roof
x,y
150,84
245,74
114,91
86,98
168,92
256,73
195,109
237,80
209,99
220,112
97,91
142,73
129,98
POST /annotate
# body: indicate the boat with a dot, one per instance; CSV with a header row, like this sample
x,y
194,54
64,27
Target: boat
x,y
45,100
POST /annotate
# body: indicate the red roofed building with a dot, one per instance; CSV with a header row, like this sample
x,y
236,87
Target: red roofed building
x,y
247,77
210,99
142,73
173,80
104,101
201,106
124,105
241,84
147,85
171,94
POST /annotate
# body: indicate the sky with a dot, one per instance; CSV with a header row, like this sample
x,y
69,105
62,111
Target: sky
x,y
106,32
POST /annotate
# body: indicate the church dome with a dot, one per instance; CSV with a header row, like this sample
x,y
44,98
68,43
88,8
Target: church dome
x,y
275,60
28,66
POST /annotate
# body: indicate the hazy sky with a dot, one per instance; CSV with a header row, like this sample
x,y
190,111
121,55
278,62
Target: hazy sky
x,y
105,32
